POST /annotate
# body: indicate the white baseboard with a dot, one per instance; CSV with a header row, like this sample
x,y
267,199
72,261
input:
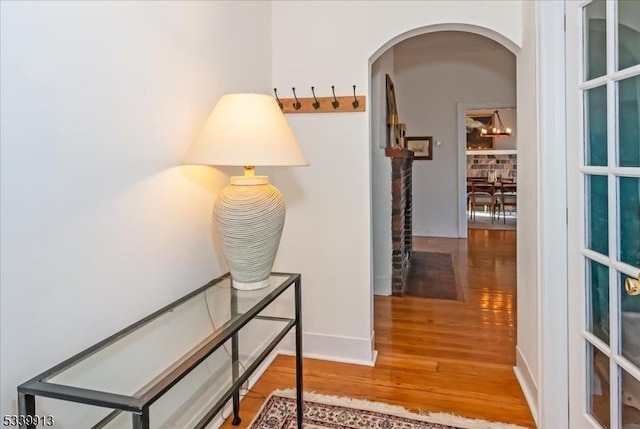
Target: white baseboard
x,y
334,348
527,383
382,285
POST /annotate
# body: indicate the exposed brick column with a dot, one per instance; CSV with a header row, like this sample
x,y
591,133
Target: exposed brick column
x,y
401,222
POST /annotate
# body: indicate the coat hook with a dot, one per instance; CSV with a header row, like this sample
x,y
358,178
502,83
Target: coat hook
x,y
315,104
335,103
355,102
297,104
275,91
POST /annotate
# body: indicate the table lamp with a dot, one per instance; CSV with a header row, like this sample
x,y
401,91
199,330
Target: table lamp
x,y
248,130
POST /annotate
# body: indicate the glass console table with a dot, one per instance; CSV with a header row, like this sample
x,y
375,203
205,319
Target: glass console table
x,y
179,366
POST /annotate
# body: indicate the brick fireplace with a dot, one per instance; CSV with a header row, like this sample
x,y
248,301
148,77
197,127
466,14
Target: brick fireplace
x,y
401,221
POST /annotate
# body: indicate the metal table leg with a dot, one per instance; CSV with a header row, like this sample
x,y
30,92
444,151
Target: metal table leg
x,y
26,407
235,370
141,420
299,391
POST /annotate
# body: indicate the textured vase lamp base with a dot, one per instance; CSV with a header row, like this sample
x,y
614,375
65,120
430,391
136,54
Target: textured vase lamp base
x,y
249,216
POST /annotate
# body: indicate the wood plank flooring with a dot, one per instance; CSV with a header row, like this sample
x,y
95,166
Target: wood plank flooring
x,y
434,355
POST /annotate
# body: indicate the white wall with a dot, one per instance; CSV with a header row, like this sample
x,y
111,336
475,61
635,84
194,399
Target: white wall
x,y
317,43
97,222
381,175
99,103
429,85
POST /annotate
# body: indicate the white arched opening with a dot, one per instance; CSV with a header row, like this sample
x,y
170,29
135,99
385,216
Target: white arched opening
x,y
380,170
527,350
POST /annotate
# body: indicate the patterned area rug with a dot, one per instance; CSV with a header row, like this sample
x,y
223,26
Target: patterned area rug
x,y
331,412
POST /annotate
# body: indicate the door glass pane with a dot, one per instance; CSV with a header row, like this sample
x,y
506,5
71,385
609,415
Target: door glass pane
x,y
599,376
596,126
595,39
630,398
629,323
630,220
629,117
598,214
628,34
598,278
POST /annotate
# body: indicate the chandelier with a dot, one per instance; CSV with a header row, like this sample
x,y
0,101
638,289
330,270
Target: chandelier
x,y
495,128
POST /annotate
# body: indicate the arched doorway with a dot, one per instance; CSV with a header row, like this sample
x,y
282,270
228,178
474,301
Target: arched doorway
x,y
380,175
452,174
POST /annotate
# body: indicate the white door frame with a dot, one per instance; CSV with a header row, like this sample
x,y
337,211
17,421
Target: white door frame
x,y
553,340
462,154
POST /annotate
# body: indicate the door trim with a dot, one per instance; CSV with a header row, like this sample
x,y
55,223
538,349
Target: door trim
x,y
462,154
553,329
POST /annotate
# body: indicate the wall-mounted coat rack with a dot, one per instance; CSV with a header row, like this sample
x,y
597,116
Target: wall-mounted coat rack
x,y
333,104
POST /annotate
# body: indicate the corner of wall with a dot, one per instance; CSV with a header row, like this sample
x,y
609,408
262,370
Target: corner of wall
x,y
382,286
358,351
527,383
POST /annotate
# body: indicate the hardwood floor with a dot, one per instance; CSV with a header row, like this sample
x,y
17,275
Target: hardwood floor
x,y
434,355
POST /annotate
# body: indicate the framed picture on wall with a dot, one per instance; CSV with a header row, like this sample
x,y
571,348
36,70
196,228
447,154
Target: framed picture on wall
x,y
422,147
474,124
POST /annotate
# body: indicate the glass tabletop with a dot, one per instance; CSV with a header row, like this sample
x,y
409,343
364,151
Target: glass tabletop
x,y
131,362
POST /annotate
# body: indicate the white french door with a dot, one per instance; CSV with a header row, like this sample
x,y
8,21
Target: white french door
x,y
603,132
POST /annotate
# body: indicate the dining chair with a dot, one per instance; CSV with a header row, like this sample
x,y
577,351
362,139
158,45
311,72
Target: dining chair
x,y
482,195
508,196
471,180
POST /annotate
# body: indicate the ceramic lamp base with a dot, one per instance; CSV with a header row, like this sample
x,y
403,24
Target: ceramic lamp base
x,y
250,286
249,216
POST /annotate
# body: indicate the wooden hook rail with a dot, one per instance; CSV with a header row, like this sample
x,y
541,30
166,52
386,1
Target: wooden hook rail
x,y
342,104
306,105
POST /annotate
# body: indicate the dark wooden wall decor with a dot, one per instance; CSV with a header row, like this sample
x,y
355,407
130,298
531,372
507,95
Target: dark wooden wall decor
x,y
397,129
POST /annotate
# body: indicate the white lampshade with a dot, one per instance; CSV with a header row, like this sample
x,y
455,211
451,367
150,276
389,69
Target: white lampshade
x,y
246,130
